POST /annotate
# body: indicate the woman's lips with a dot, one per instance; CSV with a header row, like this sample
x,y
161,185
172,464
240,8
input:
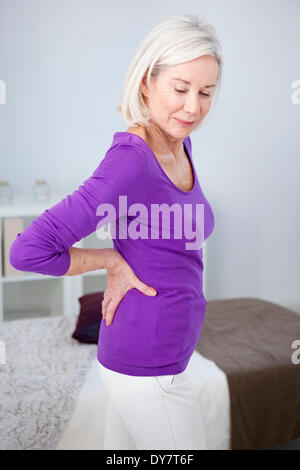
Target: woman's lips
x,y
185,123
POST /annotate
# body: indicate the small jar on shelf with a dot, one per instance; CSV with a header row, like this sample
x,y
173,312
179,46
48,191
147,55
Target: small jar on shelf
x,y
41,190
6,193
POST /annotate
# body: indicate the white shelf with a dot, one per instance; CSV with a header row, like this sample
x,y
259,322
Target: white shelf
x,y
41,277
98,272
71,286
25,206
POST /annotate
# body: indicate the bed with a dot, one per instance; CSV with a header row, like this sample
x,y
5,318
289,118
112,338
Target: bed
x,y
248,386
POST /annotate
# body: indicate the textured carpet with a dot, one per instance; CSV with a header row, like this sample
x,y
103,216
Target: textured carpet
x,y
44,371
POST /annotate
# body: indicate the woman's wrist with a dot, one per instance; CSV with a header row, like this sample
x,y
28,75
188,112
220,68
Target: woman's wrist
x,y
106,258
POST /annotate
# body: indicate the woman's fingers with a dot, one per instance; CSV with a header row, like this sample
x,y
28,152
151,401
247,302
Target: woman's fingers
x,y
110,311
120,279
105,303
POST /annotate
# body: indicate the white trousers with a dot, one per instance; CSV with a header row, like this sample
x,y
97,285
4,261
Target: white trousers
x,y
161,412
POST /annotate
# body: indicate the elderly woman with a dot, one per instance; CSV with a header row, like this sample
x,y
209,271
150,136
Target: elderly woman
x,y
153,307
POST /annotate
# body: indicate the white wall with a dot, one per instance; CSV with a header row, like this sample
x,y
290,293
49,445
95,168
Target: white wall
x,y
63,63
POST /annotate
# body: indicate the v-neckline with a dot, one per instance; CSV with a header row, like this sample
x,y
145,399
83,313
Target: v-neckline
x,y
149,149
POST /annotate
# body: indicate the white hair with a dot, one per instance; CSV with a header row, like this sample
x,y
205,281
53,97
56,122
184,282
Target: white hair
x,y
175,40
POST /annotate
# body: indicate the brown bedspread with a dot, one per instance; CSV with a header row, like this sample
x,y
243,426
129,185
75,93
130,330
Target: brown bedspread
x,y
250,340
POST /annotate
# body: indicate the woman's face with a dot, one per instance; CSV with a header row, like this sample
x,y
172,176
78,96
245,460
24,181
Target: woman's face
x,y
171,98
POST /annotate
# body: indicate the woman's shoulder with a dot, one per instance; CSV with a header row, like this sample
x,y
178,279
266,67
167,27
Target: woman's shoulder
x,y
137,130
124,156
125,147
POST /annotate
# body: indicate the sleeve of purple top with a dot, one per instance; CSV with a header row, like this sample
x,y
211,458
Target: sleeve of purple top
x,y
43,246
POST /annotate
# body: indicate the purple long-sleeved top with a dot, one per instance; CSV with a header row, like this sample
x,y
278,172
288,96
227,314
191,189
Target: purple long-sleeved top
x,y
149,335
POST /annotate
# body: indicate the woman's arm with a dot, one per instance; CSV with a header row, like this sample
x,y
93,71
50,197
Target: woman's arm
x,y
45,245
83,260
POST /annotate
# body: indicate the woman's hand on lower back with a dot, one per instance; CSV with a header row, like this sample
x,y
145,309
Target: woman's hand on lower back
x,y
120,279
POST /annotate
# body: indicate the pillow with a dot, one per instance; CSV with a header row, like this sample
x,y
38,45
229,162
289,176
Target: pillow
x,y
89,319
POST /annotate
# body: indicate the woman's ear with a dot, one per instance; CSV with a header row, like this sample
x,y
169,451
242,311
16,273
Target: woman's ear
x,y
144,88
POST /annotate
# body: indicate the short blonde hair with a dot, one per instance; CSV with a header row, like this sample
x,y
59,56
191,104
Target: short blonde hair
x,y
176,39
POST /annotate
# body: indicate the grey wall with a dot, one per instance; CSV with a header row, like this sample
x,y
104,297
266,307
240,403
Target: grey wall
x,y
63,63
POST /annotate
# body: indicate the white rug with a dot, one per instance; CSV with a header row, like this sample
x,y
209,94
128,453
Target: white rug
x,y
40,381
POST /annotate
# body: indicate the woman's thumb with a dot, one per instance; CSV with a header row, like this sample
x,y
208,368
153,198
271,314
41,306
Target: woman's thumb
x,y
141,286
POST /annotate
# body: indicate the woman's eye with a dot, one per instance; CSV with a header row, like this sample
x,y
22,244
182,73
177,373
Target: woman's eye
x,y
183,91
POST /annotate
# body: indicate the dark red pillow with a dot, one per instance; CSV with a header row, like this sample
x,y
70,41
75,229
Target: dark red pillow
x,y
89,319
